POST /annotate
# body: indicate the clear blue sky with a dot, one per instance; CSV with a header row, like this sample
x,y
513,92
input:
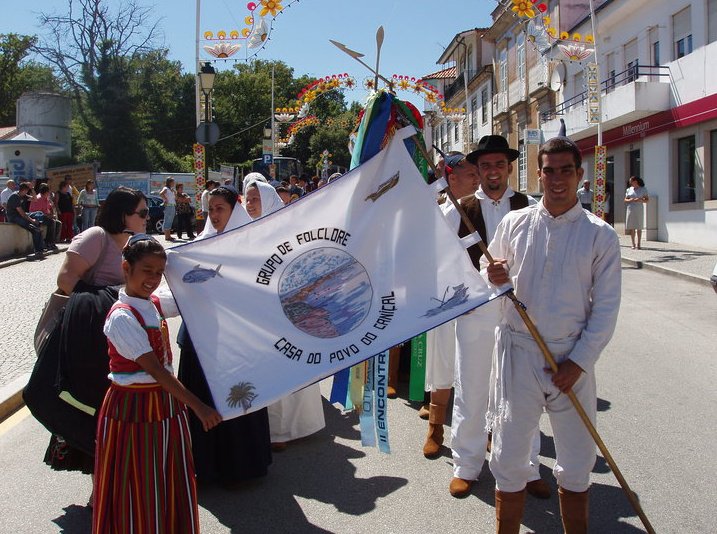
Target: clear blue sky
x,y
415,31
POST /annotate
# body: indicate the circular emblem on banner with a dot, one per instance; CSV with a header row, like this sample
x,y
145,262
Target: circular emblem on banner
x,y
325,292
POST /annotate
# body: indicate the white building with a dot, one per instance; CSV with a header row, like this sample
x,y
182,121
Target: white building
x,y
659,111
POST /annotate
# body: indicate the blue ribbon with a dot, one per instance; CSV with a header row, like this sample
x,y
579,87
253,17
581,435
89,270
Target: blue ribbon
x,y
381,409
366,419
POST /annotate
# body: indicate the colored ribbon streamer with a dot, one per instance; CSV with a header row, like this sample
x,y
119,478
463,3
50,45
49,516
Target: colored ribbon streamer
x,y
417,380
340,387
366,418
381,408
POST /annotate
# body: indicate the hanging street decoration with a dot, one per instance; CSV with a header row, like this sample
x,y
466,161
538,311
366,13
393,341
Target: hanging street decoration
x,y
253,37
593,86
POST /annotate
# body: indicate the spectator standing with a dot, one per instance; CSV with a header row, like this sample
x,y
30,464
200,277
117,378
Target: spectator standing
x,y
294,188
170,207
87,200
204,200
16,214
184,213
66,212
585,196
43,211
75,203
636,197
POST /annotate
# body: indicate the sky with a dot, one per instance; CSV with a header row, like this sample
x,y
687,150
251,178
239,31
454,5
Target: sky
x,y
416,31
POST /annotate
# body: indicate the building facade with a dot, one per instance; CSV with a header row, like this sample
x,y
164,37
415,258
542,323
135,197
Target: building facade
x,y
659,112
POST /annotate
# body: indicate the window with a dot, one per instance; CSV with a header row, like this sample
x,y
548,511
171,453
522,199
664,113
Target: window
x,y
682,32
653,37
713,165
474,118
656,54
503,70
631,61
469,59
522,165
686,169
610,82
484,105
520,55
711,21
455,132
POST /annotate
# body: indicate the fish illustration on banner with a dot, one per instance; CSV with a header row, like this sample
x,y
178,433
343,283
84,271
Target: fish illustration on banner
x,y
322,284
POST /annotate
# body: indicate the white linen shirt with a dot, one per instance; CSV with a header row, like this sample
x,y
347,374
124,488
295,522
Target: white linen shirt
x,y
493,211
130,339
567,272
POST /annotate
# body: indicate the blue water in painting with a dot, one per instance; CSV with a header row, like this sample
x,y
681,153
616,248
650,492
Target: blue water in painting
x,y
325,292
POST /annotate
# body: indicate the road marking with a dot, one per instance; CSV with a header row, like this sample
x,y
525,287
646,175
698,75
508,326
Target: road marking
x,y
14,420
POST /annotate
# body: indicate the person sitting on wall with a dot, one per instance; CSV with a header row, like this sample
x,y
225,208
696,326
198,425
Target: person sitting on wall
x,y
17,215
43,211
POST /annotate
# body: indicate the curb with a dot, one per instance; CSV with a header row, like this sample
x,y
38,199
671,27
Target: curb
x,y
666,270
14,261
11,396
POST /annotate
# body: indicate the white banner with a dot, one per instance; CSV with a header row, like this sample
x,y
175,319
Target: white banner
x,y
338,276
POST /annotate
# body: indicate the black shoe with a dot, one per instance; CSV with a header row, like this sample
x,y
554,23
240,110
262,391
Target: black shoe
x,y
36,256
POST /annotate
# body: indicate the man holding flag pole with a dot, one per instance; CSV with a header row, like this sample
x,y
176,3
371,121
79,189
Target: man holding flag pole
x,y
564,264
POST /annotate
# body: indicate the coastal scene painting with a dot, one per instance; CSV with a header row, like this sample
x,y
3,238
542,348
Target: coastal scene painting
x,y
325,292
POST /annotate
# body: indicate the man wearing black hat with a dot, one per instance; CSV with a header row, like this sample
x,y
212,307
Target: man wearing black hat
x,y
475,335
462,178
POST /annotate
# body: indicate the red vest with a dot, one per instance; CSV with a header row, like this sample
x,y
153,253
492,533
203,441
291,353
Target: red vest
x,y
158,340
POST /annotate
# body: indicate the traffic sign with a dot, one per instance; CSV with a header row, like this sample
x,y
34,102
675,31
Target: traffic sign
x,y
207,133
268,159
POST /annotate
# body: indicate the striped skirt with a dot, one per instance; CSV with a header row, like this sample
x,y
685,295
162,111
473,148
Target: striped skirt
x,y
144,473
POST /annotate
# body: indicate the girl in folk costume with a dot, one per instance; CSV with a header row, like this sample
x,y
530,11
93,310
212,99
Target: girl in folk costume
x,y
144,474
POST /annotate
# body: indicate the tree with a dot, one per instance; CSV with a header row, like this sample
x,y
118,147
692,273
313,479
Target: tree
x,y
19,75
93,50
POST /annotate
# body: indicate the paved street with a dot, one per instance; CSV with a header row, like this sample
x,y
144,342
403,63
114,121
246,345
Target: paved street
x,y
657,401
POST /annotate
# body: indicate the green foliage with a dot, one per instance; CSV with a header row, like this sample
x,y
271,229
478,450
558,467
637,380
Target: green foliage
x,y
19,75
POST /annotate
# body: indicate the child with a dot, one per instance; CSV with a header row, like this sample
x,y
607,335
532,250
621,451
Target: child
x,y
144,474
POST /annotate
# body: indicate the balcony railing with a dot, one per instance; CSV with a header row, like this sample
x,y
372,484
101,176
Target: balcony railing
x,y
500,103
654,73
459,84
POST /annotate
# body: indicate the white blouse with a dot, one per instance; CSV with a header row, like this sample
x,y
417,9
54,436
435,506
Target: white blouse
x,y
130,339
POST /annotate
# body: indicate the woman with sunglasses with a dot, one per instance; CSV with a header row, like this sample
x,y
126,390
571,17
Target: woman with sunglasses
x,y
89,274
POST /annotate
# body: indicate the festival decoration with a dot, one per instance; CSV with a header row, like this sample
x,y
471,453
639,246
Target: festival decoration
x,y
311,120
259,25
574,52
285,114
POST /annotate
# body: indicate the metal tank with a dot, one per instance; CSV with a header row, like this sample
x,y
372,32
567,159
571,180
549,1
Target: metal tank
x,y
46,116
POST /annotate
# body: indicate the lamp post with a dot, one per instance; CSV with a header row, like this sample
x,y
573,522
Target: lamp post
x,y
206,83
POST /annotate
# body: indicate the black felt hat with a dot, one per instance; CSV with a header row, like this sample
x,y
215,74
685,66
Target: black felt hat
x,y
493,144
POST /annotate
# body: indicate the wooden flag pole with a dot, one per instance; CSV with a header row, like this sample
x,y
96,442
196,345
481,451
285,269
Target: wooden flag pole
x,y
520,307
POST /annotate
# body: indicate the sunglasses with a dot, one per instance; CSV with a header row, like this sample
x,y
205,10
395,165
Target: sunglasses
x,y
142,213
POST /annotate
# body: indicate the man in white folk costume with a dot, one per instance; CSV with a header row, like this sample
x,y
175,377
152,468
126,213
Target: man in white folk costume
x,y
475,331
564,265
462,178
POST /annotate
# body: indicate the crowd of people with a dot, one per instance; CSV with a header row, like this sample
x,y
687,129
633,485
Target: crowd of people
x,y
562,261
51,217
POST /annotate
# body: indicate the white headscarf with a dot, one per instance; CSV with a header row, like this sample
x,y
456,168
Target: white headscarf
x,y
239,217
270,199
251,177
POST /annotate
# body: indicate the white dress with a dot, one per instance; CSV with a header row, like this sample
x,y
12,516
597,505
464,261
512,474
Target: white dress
x,y
296,416
635,211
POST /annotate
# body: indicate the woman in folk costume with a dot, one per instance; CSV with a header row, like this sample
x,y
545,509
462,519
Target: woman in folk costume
x,y
299,414
144,474
237,449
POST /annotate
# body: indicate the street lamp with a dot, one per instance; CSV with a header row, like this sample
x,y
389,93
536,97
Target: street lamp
x,y
206,82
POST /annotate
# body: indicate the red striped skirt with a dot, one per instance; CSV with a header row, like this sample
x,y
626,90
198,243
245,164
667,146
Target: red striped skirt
x,y
144,472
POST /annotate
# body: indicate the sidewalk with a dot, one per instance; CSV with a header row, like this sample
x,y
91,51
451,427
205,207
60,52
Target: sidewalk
x,y
689,263
686,262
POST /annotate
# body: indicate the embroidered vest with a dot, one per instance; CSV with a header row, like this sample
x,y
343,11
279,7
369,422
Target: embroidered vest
x,y
471,206
158,340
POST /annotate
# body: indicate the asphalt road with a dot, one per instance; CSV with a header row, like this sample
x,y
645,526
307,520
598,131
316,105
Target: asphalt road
x,y
657,402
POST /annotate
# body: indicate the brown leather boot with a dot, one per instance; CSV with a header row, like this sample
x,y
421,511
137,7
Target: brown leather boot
x,y
394,357
508,511
574,511
434,439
